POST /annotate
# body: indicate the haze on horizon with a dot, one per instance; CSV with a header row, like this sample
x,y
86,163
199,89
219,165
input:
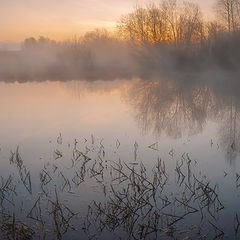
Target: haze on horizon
x,y
63,19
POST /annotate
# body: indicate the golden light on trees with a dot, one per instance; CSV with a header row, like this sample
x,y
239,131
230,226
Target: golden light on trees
x,y
165,22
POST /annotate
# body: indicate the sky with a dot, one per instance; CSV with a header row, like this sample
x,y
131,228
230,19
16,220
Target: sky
x,y
62,19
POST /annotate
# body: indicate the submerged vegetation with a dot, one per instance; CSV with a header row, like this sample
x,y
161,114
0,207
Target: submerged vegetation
x,y
132,200
160,38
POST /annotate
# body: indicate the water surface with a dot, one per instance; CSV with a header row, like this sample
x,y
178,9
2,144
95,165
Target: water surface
x,y
137,121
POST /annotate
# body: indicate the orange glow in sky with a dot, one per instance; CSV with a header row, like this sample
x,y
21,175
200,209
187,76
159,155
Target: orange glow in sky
x,y
62,19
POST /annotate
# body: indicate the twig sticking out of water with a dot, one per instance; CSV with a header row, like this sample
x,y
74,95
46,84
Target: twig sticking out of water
x,y
57,154
236,223
237,180
139,204
45,177
23,172
62,216
59,139
7,189
135,151
154,146
15,229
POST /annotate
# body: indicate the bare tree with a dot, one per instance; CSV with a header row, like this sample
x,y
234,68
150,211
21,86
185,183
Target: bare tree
x,y
133,26
166,22
190,24
156,24
169,11
229,12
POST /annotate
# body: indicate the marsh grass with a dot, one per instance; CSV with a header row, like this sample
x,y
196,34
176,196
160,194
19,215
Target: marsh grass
x,y
135,201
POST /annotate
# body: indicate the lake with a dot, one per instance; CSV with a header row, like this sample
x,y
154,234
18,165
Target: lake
x,y
124,159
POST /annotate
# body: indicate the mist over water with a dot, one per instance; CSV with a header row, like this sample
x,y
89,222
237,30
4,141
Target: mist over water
x,y
112,61
76,121
128,136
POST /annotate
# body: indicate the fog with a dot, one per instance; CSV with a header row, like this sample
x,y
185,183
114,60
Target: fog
x,y
43,60
107,59
163,39
187,71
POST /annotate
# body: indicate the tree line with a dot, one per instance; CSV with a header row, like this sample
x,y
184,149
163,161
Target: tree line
x,y
170,22
159,37
165,21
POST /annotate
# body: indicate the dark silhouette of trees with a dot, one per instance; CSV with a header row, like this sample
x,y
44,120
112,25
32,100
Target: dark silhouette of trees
x,y
30,43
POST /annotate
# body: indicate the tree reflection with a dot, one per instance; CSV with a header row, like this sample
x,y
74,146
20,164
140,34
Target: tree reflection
x,y
229,130
163,106
181,106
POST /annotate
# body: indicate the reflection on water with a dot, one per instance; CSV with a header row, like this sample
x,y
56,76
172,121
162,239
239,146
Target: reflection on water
x,y
148,154
229,130
163,107
173,108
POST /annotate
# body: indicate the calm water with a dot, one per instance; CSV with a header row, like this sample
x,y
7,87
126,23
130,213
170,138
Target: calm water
x,y
132,121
